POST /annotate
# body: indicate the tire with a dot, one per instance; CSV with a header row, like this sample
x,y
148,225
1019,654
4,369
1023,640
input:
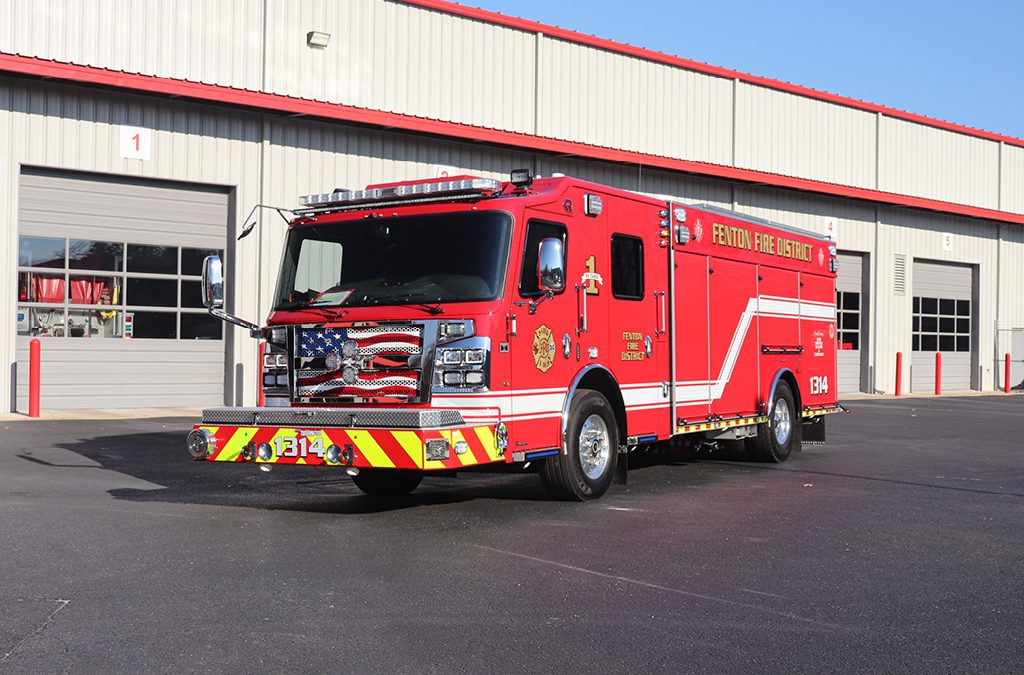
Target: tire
x,y
586,470
781,435
387,482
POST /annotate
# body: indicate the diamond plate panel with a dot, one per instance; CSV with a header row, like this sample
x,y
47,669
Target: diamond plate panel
x,y
381,418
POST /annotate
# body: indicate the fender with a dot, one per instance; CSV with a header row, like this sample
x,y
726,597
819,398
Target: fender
x,y
572,391
775,381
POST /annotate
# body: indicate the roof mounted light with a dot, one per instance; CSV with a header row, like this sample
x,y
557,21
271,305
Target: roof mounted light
x,y
521,178
451,187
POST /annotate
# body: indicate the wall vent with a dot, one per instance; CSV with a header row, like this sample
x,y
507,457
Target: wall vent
x,y
899,274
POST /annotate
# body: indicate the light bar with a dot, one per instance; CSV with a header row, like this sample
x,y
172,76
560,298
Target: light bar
x,y
435,188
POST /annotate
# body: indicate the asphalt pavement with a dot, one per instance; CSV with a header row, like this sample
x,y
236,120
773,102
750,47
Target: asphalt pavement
x,y
897,547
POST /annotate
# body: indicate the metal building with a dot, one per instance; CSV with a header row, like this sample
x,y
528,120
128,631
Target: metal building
x,y
134,138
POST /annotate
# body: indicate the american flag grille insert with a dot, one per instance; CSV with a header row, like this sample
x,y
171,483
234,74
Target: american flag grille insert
x,y
358,362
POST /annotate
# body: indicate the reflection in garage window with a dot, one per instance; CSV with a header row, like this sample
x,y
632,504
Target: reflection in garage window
x,y
192,260
152,259
40,252
85,254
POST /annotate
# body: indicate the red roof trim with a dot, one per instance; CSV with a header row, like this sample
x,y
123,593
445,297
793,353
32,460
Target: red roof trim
x,y
660,57
277,103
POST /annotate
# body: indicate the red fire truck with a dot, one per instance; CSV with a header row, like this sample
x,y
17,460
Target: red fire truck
x,y
438,325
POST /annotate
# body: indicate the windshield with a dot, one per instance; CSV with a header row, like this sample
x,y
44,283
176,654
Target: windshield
x,y
413,260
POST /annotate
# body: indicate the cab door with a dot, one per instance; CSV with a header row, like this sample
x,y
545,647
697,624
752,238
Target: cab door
x,y
553,339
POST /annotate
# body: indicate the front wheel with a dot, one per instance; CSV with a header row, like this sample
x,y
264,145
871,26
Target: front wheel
x,y
584,470
781,434
387,482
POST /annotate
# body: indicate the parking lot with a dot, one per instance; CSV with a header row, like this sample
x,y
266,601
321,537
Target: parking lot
x,y
898,547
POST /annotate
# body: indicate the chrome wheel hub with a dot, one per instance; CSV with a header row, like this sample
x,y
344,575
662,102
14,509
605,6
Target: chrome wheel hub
x,y
595,446
782,421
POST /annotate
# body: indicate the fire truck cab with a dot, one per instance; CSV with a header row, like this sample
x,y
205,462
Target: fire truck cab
x,y
441,325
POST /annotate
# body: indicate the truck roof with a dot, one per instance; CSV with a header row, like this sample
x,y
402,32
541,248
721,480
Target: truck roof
x,y
473,189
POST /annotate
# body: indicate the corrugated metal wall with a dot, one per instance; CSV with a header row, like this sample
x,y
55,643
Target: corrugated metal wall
x,y
399,58
212,41
600,98
782,133
1011,187
928,162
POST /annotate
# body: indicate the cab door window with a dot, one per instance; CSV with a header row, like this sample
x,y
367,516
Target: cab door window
x,y
537,231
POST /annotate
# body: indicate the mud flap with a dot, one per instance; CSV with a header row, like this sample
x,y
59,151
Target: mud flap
x,y
621,467
814,431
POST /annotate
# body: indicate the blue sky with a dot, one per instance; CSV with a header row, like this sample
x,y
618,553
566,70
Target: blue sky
x,y
956,61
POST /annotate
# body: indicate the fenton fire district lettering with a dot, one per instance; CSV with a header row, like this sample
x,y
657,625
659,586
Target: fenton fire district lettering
x,y
761,242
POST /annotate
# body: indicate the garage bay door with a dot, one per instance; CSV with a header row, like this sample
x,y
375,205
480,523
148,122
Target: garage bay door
x,y
850,320
108,280
942,321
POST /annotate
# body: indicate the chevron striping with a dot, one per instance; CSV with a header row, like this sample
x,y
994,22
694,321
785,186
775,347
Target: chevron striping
x,y
368,447
412,444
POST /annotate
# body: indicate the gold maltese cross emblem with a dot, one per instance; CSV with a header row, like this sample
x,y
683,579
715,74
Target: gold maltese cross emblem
x,y
543,348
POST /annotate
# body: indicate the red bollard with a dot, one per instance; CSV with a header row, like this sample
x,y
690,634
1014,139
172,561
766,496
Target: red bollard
x,y
1006,376
938,373
34,350
259,376
899,373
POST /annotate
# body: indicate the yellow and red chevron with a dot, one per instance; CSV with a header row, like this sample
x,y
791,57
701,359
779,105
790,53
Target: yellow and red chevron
x,y
374,448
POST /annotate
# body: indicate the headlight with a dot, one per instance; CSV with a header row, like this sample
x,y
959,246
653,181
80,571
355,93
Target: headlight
x,y
279,335
475,356
452,379
452,357
475,378
272,361
349,349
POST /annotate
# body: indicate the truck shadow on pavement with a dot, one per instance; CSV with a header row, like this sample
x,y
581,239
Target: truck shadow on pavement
x,y
160,458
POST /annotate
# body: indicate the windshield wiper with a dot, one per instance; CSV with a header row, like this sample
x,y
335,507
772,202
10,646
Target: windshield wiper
x,y
432,307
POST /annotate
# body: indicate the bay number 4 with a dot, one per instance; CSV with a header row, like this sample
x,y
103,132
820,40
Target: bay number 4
x,y
819,384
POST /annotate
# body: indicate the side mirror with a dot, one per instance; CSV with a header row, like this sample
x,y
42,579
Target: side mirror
x,y
551,265
213,282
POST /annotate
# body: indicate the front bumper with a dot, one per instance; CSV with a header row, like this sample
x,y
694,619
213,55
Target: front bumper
x,y
363,437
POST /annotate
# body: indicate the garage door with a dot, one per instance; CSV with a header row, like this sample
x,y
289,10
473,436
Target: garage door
x,y
942,321
849,320
108,280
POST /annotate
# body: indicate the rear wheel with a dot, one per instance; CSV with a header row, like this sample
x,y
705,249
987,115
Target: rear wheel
x,y
781,434
387,482
585,470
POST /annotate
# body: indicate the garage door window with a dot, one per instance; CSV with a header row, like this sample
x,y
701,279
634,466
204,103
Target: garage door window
x,y
941,325
101,289
848,315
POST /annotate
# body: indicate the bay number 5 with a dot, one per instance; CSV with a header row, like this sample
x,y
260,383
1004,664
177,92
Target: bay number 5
x,y
819,384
